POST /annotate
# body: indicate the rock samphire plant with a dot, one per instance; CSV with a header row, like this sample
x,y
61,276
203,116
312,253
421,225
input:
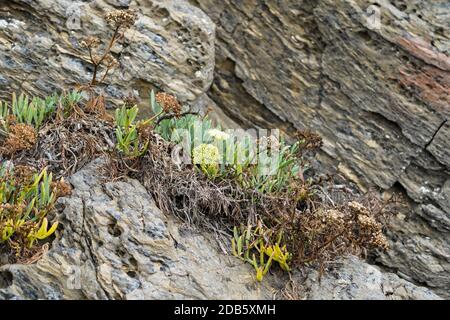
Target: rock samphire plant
x,y
277,214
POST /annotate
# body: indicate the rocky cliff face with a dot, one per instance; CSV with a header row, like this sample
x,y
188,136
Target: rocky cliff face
x,y
170,47
115,243
377,90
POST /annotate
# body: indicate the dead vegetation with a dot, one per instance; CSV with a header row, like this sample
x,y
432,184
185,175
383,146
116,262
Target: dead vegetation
x,y
67,144
21,137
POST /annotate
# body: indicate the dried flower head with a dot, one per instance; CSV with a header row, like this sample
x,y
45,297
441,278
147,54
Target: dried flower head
x,y
21,137
205,154
90,42
335,216
23,173
370,230
110,61
169,103
121,18
368,222
311,141
145,132
358,208
62,188
380,241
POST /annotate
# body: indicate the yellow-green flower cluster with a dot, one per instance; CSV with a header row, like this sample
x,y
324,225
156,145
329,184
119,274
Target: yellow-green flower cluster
x,y
205,154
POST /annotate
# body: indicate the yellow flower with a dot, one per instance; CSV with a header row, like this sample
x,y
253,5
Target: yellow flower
x,y
218,135
205,154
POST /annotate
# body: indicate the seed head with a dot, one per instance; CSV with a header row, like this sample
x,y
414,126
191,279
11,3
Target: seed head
x,y
121,18
23,173
110,61
61,188
168,102
311,141
90,42
21,137
358,208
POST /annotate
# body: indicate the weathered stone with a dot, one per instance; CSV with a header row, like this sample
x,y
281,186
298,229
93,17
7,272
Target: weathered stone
x,y
205,104
113,243
440,141
378,91
357,280
171,47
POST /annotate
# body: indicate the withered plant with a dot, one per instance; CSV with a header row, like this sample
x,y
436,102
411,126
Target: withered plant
x,y
104,61
119,21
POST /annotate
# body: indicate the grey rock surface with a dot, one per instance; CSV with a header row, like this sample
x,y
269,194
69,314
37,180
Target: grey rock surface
x,y
354,279
170,47
373,78
114,243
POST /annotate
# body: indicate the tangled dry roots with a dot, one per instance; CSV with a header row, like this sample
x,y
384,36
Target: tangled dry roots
x,y
318,229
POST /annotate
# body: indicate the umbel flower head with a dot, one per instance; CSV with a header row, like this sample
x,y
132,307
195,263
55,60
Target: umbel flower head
x,y
218,134
205,154
110,61
90,42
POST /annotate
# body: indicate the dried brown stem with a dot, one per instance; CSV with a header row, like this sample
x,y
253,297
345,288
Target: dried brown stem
x,y
172,115
97,64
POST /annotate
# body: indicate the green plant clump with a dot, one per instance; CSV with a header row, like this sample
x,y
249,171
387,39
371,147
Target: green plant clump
x,y
26,198
251,243
35,111
32,112
128,139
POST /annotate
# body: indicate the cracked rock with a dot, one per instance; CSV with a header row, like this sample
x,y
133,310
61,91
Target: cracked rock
x,y
114,243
